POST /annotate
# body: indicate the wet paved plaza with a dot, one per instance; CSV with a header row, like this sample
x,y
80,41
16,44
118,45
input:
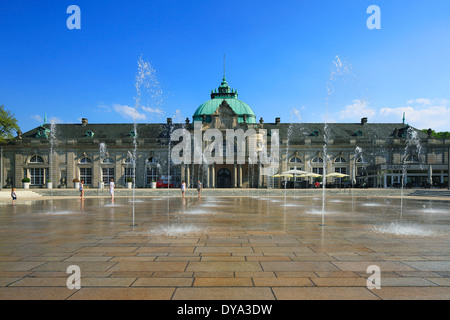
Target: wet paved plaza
x,y
240,248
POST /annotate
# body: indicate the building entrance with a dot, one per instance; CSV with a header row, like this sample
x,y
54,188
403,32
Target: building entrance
x,y
224,178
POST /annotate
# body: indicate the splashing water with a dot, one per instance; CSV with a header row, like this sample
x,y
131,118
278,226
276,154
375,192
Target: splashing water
x,y
175,230
413,149
403,229
295,114
145,80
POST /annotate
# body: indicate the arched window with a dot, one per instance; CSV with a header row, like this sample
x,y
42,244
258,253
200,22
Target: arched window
x,y
340,160
317,160
36,159
108,161
295,160
361,160
85,160
152,160
129,159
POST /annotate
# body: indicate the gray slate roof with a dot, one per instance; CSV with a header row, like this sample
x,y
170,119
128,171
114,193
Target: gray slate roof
x,y
293,131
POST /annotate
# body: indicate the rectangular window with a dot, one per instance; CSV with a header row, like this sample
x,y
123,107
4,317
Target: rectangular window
x,y
152,175
36,176
129,173
175,177
107,175
342,170
361,171
318,170
86,175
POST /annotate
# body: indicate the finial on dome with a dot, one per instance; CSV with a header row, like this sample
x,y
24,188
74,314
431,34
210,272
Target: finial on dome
x,y
224,67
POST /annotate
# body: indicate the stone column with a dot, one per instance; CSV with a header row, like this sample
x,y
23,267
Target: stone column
x,y
118,170
235,176
19,164
240,175
71,168
210,176
95,171
188,176
183,172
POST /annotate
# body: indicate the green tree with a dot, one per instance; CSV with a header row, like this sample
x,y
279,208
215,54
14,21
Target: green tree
x,y
439,135
8,124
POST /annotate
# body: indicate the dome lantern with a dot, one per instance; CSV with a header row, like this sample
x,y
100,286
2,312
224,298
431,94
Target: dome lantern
x,y
224,92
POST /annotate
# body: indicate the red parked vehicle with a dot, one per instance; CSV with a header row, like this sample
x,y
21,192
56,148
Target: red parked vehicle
x,y
163,182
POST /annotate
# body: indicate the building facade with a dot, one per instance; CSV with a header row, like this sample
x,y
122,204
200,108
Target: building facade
x,y
368,154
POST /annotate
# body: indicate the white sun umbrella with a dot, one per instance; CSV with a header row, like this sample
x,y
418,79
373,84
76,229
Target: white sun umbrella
x,y
304,175
313,175
278,175
295,172
337,175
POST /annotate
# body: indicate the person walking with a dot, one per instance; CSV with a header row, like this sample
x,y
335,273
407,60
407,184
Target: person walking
x,y
82,189
183,188
111,188
199,189
13,196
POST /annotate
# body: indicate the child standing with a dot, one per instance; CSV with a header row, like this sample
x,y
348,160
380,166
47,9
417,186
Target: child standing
x,y
183,188
111,189
199,189
13,196
81,190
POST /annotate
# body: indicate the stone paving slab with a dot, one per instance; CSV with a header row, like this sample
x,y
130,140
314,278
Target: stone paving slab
x,y
122,294
324,293
34,293
242,249
414,293
235,293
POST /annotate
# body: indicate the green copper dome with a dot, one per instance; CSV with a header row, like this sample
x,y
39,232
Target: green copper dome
x,y
224,92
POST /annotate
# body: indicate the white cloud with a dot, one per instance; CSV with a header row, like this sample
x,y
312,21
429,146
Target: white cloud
x,y
153,110
422,114
38,118
421,101
129,112
55,120
356,111
41,120
103,107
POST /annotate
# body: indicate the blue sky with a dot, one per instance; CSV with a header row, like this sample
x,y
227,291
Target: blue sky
x,y
308,61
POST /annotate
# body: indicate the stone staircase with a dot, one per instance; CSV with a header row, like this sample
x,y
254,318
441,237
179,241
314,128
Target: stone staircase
x,y
21,193
5,194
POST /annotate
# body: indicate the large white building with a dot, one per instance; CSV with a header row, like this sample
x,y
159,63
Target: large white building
x,y
370,154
